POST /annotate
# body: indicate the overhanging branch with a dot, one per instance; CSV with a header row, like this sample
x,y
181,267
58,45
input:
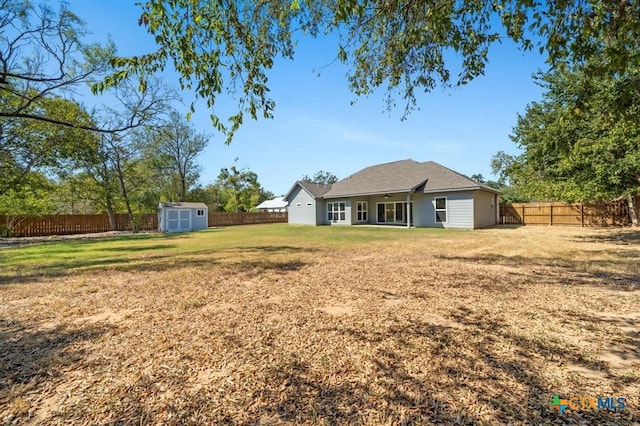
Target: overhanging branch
x,y
68,124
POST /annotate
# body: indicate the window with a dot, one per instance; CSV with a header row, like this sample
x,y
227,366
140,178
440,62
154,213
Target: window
x,y
362,208
441,209
337,211
200,212
298,204
309,203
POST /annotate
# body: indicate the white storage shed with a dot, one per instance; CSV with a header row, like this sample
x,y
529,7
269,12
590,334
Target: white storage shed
x,y
182,217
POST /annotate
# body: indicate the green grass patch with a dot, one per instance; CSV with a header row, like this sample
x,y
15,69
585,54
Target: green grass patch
x,y
155,250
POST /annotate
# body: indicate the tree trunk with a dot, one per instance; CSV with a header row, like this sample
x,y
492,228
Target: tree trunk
x,y
634,209
108,201
125,193
183,188
112,218
125,196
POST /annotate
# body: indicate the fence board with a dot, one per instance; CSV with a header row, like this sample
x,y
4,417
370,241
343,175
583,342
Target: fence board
x,y
246,218
612,213
41,226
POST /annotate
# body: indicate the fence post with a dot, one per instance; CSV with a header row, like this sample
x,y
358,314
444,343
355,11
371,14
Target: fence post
x,y
523,215
551,214
582,214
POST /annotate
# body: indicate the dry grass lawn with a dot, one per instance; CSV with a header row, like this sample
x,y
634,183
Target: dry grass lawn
x,y
272,324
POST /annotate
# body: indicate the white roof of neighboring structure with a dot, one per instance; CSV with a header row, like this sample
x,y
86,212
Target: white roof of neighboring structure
x,y
276,203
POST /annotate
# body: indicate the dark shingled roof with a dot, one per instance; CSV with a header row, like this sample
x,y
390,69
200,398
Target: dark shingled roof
x,y
403,176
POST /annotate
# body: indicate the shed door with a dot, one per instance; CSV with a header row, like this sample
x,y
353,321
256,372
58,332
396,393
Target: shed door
x,y
184,224
178,220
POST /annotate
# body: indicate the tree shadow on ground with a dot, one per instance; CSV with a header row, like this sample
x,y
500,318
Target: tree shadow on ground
x,y
623,350
158,262
511,387
566,271
256,268
277,249
623,237
84,239
69,267
32,356
484,372
498,389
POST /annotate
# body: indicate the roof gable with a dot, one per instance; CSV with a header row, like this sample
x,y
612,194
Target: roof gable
x,y
316,190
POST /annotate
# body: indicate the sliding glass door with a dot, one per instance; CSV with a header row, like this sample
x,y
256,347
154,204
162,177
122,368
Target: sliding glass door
x,y
392,212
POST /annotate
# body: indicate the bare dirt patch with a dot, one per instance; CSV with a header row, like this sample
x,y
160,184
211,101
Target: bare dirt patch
x,y
429,328
336,310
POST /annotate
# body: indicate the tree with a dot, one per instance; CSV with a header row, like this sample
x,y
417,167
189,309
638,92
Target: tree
x,y
582,141
43,58
173,151
230,47
38,146
321,177
240,189
115,161
77,193
31,198
212,195
478,177
508,194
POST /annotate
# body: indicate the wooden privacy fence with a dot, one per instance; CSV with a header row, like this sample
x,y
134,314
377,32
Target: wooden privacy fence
x,y
246,218
612,213
64,224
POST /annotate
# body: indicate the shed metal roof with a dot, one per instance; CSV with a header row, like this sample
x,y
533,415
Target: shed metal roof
x,y
183,205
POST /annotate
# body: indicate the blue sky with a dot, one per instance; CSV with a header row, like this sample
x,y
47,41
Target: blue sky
x,y
317,128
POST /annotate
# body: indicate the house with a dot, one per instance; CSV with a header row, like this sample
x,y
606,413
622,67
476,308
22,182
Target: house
x,y
182,217
278,204
406,193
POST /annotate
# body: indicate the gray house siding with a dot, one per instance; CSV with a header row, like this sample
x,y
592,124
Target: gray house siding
x,y
321,213
303,208
459,210
423,212
465,209
485,205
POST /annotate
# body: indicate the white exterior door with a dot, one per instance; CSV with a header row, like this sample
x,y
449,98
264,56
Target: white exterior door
x,y
178,220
